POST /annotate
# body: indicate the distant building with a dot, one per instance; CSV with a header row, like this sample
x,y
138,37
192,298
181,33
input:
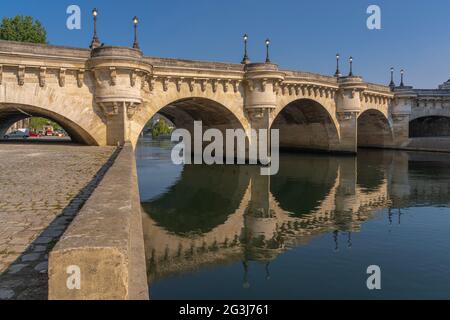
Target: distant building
x,y
22,124
445,85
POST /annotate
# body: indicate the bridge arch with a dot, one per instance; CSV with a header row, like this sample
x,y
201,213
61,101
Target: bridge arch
x,y
429,112
220,112
12,113
306,124
72,107
374,129
430,126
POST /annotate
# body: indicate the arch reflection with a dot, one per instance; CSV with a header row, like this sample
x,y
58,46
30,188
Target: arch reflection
x,y
216,215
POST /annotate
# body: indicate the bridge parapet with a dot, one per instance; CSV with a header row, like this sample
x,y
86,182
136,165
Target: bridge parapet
x,y
431,102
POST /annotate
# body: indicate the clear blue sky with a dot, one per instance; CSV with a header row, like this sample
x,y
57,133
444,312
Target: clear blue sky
x,y
305,35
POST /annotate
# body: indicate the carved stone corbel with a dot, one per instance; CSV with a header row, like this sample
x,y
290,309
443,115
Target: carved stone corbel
x,y
80,77
165,84
178,82
303,89
42,75
191,84
132,108
203,84
62,77
257,113
21,75
113,75
236,84
133,77
263,85
143,79
347,116
291,90
151,82
250,85
109,109
297,90
276,86
215,83
225,85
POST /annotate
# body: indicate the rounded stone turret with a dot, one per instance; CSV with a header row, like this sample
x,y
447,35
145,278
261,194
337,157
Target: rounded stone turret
x,y
262,81
403,101
119,74
348,100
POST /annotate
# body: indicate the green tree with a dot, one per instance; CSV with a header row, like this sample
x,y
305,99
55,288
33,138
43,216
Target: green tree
x,y
160,128
23,29
37,124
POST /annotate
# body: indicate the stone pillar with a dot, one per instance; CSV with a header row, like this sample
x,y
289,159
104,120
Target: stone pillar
x,y
262,80
119,74
348,108
401,108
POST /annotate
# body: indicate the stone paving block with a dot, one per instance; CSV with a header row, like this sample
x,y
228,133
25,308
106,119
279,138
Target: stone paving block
x,y
30,257
6,294
42,267
15,268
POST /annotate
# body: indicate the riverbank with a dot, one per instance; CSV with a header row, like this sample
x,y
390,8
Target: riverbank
x,y
42,188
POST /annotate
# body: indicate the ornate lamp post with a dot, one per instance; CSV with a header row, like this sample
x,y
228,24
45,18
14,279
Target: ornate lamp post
x,y
402,73
350,60
135,22
392,83
338,72
267,51
95,40
245,60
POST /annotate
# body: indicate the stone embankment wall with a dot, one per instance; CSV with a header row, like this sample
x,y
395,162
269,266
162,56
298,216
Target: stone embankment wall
x,y
103,248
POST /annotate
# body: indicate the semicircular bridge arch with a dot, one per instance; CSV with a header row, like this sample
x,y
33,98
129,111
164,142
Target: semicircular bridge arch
x,y
215,110
307,124
12,113
73,110
374,129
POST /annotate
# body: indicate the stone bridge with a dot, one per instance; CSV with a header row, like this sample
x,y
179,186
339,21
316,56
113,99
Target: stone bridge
x,y
106,95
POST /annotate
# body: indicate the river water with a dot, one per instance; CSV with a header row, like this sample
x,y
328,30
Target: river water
x,y
310,232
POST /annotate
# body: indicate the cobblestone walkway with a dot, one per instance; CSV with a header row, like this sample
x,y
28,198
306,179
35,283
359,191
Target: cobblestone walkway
x,y
42,187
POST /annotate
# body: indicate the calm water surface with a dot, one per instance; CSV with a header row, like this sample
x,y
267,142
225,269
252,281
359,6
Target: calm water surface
x,y
310,232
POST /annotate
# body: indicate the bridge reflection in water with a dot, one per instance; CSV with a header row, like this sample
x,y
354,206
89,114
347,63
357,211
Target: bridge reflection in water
x,y
213,216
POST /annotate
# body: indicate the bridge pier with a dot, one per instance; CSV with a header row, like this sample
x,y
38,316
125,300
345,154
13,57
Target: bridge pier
x,y
260,99
401,115
348,108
